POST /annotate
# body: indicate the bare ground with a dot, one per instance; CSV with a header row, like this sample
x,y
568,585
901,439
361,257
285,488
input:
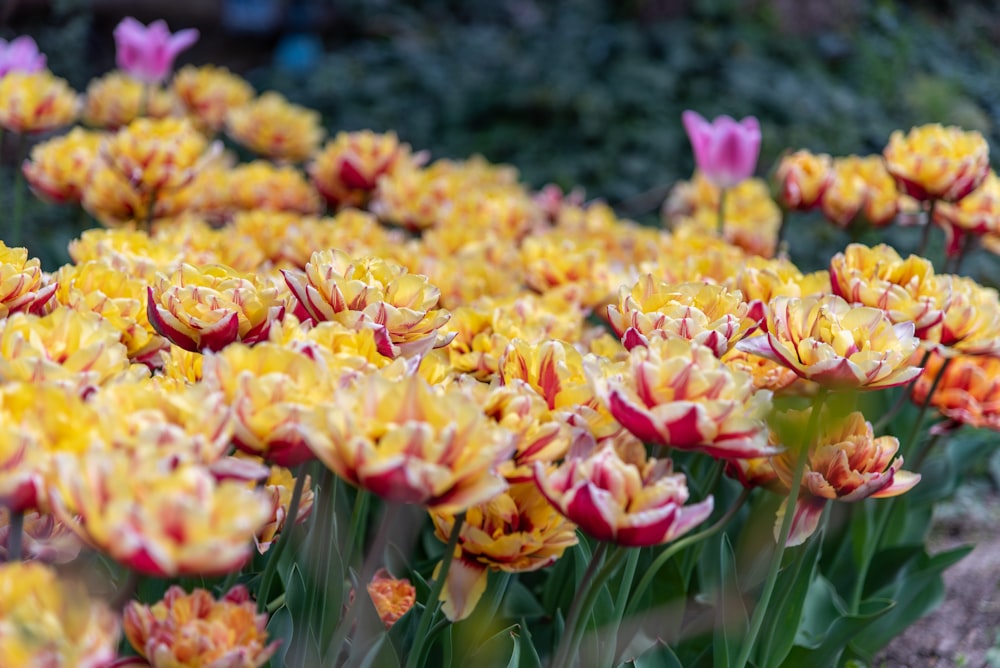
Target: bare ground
x,y
964,631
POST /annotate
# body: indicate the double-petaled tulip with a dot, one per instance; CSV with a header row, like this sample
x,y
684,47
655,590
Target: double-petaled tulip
x,y
576,268
210,307
845,463
971,323
21,283
264,185
725,150
47,621
409,442
116,99
704,313
195,629
156,520
802,178
209,92
32,102
20,55
933,162
977,214
906,290
615,493
516,532
968,391
280,485
677,393
392,597
275,128
761,279
373,293
861,190
347,169
554,369
274,393
840,346
148,52
59,169
80,350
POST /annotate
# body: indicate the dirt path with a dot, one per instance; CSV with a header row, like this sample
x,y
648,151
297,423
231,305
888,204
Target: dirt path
x,y
964,631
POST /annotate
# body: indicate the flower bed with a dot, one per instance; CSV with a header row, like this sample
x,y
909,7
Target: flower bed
x,y
532,432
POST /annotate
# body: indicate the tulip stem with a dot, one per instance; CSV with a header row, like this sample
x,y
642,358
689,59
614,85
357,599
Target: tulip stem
x,y
678,546
426,617
786,526
925,237
17,214
618,612
722,213
567,642
16,536
271,569
355,533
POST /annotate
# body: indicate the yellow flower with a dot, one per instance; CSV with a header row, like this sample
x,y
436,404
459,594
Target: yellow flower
x,y
846,463
273,127
617,494
262,185
707,314
341,348
77,349
280,485
157,520
35,102
765,373
978,213
392,597
577,269
209,92
554,369
414,198
210,307
372,293
21,282
408,442
116,99
37,421
156,155
968,392
906,290
197,630
676,393
129,251
119,298
861,189
971,323
761,279
45,621
516,531
474,273
802,177
274,393
59,169
937,162
347,169
44,538
825,339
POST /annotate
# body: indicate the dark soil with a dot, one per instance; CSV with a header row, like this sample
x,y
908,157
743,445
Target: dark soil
x,y
964,631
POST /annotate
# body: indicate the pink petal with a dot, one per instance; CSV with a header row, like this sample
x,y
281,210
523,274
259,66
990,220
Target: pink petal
x,y
808,511
699,131
588,508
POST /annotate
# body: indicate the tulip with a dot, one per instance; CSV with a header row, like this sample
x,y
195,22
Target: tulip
x,y
517,531
209,92
622,498
116,99
148,52
44,538
967,393
392,597
20,55
197,630
59,169
932,162
906,290
802,178
845,463
21,285
861,189
825,339
35,102
678,394
977,214
48,621
273,127
725,150
347,169
971,323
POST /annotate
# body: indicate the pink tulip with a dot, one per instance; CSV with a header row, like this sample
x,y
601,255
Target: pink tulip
x,y
725,151
148,53
20,55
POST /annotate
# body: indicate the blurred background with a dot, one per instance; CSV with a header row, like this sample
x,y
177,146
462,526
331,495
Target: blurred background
x,y
576,92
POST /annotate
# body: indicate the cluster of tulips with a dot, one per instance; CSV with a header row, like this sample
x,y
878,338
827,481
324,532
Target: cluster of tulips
x,y
249,365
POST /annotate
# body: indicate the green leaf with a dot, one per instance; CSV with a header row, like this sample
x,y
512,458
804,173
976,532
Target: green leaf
x,y
826,626
280,627
381,655
520,602
660,656
530,658
494,649
917,590
780,628
731,615
515,655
